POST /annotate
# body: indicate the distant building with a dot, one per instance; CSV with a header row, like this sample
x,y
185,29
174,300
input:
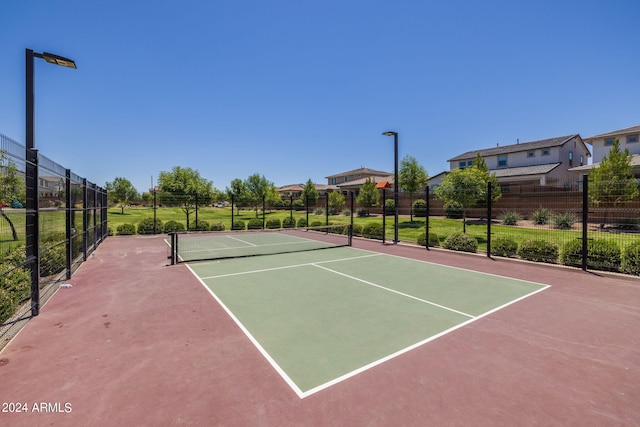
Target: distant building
x,y
543,162
629,138
353,180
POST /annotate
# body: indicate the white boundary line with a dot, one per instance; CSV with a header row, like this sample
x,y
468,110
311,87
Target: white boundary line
x,y
337,380
394,291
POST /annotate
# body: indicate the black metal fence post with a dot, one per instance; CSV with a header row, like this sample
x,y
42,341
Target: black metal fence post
x,y
196,227
585,218
326,210
489,205
306,207
232,211
290,208
32,230
384,215
84,219
155,215
264,212
69,223
352,206
426,218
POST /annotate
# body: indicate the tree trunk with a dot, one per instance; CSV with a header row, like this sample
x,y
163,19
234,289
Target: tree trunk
x,y
13,229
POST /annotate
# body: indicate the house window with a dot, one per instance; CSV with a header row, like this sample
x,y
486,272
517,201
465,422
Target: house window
x,y
462,165
632,138
502,161
470,163
570,158
334,181
608,142
545,152
346,179
581,160
531,154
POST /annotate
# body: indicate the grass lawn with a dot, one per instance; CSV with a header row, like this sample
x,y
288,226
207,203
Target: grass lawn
x,y
408,231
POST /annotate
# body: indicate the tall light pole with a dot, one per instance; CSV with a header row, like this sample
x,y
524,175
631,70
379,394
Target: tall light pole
x,y
31,221
396,182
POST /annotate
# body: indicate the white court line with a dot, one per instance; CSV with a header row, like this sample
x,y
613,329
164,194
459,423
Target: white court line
x,y
241,241
394,291
289,266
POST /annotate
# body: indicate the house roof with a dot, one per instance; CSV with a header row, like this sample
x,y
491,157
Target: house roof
x,y
359,182
514,148
292,187
632,129
362,170
524,170
635,164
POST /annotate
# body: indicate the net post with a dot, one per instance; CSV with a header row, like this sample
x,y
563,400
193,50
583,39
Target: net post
x,y
350,234
352,197
306,207
489,214
231,211
264,212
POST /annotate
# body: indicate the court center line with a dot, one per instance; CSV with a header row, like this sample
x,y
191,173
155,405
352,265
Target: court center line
x,y
242,241
240,273
394,291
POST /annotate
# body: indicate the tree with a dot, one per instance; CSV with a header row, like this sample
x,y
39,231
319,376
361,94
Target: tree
x,y
121,192
184,187
368,195
412,178
612,182
12,187
336,202
464,186
496,192
258,187
309,194
238,193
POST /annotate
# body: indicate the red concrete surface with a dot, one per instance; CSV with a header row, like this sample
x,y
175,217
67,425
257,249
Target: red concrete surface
x,y
136,342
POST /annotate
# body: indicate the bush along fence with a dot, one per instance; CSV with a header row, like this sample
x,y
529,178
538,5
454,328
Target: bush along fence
x,y
582,223
50,221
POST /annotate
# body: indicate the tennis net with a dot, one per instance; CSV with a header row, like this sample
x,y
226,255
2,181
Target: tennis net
x,y
212,245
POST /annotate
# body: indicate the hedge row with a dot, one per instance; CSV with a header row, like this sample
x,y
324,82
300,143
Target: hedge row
x,y
15,282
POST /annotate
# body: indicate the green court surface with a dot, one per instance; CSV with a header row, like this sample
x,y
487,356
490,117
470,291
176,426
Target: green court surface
x,y
323,316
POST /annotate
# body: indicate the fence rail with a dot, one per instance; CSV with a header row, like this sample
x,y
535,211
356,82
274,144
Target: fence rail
x,y
51,220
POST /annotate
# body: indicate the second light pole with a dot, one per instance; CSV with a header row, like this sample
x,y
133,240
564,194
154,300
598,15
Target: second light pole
x,y
396,183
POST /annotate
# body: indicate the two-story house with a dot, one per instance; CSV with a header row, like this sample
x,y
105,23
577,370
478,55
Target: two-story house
x,y
543,162
353,180
629,138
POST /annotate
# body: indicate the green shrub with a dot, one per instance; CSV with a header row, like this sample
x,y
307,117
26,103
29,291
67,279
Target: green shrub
x,y
16,256
53,259
420,208
630,262
357,230
298,205
460,242
126,229
319,211
7,305
288,222
433,239
564,221
146,226
272,223
217,226
302,222
453,210
538,250
240,225
254,224
316,223
173,227
510,218
389,207
362,212
200,225
372,230
346,212
602,254
541,217
110,230
503,246
16,282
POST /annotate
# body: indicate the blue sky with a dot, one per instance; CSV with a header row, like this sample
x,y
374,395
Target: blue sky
x,y
303,89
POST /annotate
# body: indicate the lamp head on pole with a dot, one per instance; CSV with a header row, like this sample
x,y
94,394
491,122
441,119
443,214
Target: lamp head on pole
x,y
390,133
59,60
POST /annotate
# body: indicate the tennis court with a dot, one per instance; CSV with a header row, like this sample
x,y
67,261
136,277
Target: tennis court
x,y
322,316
